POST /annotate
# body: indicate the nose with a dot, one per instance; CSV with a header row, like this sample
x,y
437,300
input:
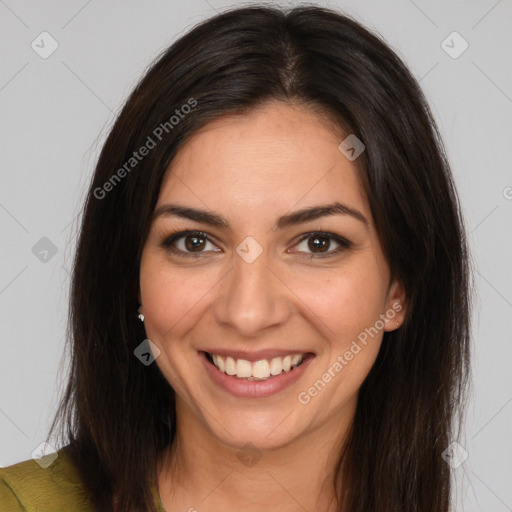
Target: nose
x,y
252,298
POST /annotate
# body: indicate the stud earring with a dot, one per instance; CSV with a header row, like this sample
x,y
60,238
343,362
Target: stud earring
x,y
398,322
140,317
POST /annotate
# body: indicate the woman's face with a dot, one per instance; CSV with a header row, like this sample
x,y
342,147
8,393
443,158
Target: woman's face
x,y
260,283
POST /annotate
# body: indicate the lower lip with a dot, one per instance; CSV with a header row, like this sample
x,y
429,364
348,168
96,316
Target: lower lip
x,y
254,389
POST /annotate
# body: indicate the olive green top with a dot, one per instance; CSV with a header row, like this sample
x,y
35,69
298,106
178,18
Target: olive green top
x,y
29,487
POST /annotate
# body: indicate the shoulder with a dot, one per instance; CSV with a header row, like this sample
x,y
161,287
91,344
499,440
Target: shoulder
x,y
29,487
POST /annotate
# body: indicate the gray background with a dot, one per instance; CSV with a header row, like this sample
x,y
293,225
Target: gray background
x,y
55,114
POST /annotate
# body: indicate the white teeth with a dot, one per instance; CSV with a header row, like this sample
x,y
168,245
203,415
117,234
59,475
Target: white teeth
x,y
296,359
275,366
243,368
262,369
230,367
219,362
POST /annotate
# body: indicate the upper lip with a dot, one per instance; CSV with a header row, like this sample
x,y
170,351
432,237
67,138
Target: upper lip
x,y
256,355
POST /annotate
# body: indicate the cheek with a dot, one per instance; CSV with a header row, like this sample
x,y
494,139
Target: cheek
x,y
171,299
346,313
345,303
172,304
346,307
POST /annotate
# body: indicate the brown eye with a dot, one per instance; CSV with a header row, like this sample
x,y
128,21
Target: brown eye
x,y
319,243
193,242
188,243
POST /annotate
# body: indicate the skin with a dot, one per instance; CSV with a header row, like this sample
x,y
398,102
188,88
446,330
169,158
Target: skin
x,y
251,169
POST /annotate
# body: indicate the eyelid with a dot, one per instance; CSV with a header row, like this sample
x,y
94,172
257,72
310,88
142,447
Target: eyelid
x,y
326,234
168,241
343,242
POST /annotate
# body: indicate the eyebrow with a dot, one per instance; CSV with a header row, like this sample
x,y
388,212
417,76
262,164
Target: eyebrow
x,y
290,219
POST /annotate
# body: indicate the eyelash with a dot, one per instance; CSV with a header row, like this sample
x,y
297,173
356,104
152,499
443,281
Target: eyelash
x,y
168,243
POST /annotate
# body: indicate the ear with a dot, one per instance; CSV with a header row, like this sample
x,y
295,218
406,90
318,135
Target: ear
x,y
395,307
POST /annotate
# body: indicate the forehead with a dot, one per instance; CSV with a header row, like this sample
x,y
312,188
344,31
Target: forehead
x,y
276,156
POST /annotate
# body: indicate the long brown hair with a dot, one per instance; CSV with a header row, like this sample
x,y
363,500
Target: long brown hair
x,y
117,415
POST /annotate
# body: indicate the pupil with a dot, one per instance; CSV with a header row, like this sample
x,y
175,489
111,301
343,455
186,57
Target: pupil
x,y
197,242
318,242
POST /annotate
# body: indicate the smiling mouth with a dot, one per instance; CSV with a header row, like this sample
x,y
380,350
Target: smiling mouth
x,y
261,370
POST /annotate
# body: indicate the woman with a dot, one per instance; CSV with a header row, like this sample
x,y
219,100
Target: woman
x,y
270,304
